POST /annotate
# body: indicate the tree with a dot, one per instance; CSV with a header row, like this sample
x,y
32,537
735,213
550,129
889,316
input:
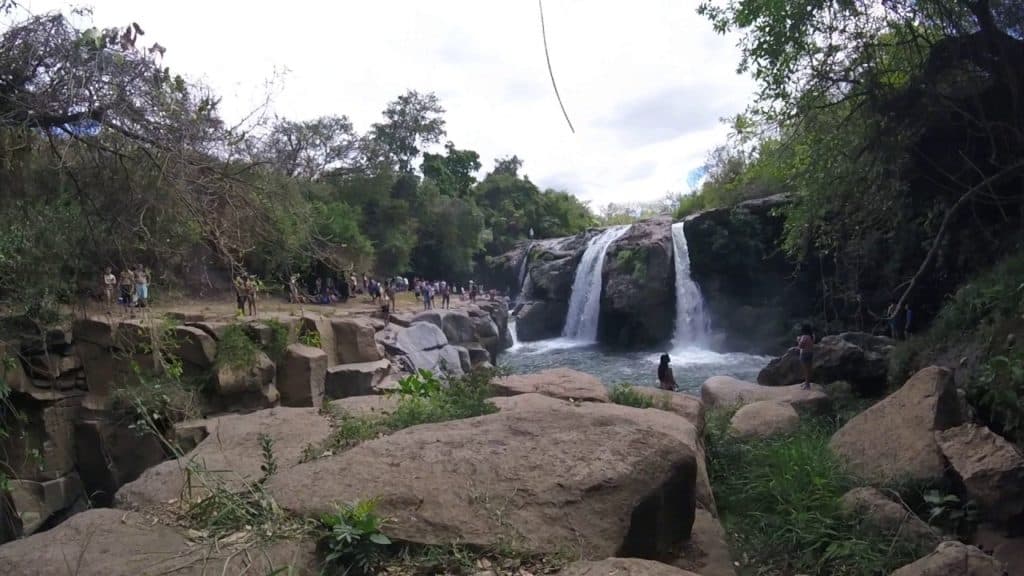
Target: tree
x,y
311,149
892,120
454,173
412,121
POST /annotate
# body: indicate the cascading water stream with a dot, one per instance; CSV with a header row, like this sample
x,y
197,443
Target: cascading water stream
x,y
521,276
585,302
692,327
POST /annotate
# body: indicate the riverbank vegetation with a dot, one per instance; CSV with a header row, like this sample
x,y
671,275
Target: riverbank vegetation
x,y
779,502
140,166
891,129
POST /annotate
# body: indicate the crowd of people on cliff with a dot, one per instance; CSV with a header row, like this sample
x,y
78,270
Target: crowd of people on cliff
x,y
129,288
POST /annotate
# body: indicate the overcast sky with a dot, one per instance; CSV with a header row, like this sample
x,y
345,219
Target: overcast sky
x,y
645,82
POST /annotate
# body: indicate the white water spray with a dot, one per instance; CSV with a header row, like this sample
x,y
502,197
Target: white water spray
x,y
692,325
585,302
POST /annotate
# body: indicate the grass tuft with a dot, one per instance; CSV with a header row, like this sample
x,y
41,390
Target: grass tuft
x,y
779,502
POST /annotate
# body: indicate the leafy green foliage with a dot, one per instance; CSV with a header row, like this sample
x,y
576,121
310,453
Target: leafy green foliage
x,y
235,348
268,466
278,342
310,338
633,262
420,384
623,393
422,399
351,539
779,500
998,394
950,514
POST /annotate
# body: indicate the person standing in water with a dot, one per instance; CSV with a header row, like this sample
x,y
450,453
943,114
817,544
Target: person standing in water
x,y
805,344
666,379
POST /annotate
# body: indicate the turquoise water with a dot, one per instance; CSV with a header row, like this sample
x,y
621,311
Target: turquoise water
x,y
691,365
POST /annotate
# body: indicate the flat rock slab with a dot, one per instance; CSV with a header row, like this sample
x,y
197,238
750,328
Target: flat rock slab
x,y
990,468
357,379
894,439
622,567
954,559
707,551
108,542
231,450
888,515
543,476
562,383
379,405
764,419
679,403
721,391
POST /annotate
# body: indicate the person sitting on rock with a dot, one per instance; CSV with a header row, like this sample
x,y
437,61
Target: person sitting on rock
x,y
805,344
666,379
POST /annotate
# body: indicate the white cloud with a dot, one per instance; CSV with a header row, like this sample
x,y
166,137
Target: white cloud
x,y
644,82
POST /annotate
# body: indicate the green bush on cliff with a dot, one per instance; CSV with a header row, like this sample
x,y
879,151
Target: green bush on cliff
x,y
625,394
422,399
235,348
779,501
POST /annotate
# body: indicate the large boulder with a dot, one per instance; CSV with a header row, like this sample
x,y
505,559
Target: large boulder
x,y
563,383
38,502
357,379
990,468
41,444
855,357
722,391
194,346
300,377
106,542
246,388
231,453
764,419
639,287
542,475
323,329
541,320
622,567
422,346
355,341
891,517
109,454
954,559
680,403
894,439
457,326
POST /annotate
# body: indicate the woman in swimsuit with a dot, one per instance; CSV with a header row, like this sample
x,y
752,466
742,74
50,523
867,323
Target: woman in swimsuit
x,y
666,379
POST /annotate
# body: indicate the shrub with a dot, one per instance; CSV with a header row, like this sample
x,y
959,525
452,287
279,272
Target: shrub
x,y
235,349
310,338
779,500
351,539
997,392
624,394
278,340
422,400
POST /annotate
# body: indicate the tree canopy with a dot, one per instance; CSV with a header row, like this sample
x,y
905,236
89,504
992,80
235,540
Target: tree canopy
x,y
109,158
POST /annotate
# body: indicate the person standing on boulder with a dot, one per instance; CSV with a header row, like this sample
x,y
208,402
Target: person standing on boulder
x,y
109,281
666,379
141,286
127,289
805,344
446,295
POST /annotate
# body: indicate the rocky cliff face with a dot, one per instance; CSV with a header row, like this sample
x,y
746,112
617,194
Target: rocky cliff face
x,y
638,299
551,268
749,287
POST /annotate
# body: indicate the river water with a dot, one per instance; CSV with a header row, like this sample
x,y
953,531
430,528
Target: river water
x,y
691,360
691,365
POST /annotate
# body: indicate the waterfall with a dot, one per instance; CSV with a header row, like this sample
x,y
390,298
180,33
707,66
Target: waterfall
x,y
585,302
691,322
522,276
